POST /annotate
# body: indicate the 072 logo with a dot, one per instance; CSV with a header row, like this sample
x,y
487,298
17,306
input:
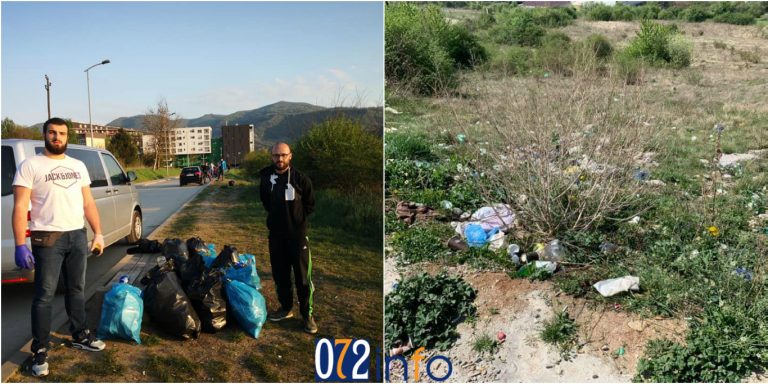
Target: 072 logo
x,y
339,360
342,360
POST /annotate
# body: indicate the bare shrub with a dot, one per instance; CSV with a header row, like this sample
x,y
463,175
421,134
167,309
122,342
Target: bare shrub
x,y
568,153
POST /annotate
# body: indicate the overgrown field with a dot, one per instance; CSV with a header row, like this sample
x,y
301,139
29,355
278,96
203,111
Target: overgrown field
x,y
615,138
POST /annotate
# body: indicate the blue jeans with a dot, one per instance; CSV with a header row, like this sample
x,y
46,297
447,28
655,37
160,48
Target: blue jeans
x,y
68,258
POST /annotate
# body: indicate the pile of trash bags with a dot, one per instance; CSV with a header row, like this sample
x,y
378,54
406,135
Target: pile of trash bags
x,y
189,291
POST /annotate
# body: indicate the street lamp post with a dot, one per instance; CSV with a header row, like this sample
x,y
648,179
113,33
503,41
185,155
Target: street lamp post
x,y
88,79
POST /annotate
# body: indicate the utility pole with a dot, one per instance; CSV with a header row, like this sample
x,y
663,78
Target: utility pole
x,y
48,92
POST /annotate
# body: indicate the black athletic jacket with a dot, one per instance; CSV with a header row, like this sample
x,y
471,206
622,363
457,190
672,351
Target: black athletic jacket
x,y
286,217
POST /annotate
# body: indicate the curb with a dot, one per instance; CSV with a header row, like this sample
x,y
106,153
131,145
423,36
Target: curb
x,y
10,366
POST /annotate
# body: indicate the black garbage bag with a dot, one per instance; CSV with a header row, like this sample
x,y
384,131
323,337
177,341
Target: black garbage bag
x,y
146,246
167,304
226,257
176,250
195,265
208,300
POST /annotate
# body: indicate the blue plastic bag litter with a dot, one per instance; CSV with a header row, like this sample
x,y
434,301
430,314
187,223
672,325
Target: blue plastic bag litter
x,y
248,306
245,271
476,235
121,313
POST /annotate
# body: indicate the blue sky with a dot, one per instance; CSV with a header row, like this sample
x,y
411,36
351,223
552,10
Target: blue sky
x,y
202,57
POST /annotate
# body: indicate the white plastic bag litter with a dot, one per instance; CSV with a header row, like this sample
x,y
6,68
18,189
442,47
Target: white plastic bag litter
x,y
611,287
496,241
498,216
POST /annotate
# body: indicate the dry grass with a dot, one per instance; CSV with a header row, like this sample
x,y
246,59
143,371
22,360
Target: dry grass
x,y
348,303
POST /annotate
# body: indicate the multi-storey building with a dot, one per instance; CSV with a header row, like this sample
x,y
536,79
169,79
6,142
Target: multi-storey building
x,y
237,141
102,132
186,145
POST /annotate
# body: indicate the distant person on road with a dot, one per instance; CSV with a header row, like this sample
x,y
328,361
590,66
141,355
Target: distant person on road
x,y
58,188
222,169
288,198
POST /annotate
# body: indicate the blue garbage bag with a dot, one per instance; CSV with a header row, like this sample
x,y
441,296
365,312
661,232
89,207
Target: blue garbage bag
x,y
475,234
245,271
210,256
121,313
248,306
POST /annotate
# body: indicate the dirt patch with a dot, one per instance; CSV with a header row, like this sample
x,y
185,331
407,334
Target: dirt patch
x,y
519,307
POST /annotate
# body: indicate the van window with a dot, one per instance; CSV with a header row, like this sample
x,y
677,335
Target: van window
x,y
93,163
115,172
9,170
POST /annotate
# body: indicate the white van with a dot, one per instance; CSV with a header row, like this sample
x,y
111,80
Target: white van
x,y
116,199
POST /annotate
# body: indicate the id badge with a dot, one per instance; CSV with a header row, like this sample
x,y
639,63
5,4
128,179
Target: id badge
x,y
290,193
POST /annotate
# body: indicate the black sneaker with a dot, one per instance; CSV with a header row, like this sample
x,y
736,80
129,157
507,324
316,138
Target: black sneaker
x,y
39,363
280,314
88,342
310,326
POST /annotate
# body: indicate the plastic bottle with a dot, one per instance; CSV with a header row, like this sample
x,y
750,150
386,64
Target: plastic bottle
x,y
124,279
553,251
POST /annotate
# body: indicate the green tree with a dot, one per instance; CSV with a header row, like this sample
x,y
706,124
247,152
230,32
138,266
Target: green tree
x,y
122,146
72,137
339,153
9,128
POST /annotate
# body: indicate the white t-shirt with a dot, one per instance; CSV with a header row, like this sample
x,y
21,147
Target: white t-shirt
x,y
57,192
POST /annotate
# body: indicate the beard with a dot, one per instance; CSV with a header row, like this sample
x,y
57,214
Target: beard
x,y
54,150
282,166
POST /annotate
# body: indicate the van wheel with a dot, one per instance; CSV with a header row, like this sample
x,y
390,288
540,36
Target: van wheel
x,y
136,228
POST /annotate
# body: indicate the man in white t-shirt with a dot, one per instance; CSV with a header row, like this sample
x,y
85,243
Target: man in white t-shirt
x,y
57,188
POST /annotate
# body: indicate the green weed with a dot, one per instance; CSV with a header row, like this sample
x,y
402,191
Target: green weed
x,y
560,331
427,309
485,344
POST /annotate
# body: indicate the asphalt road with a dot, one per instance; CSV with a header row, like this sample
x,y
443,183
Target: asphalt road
x,y
158,201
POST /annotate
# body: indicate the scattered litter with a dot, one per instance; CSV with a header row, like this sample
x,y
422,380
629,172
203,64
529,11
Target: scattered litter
x,y
608,248
399,349
641,175
501,336
498,215
461,137
411,212
553,251
635,220
457,243
496,241
655,183
611,287
549,266
714,231
446,204
477,236
391,110
620,351
513,251
617,307
743,272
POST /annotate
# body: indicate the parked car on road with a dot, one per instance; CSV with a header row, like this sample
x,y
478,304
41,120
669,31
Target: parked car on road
x,y
192,174
116,199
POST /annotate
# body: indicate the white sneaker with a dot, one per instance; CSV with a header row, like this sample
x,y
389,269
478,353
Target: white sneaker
x,y
88,342
39,363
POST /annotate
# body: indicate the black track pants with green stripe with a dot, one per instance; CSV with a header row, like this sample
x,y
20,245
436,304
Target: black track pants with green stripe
x,y
286,254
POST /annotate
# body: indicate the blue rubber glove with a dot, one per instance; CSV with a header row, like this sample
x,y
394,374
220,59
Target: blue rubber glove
x,y
24,258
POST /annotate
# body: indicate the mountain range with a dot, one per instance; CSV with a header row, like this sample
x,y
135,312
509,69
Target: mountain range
x,y
281,121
